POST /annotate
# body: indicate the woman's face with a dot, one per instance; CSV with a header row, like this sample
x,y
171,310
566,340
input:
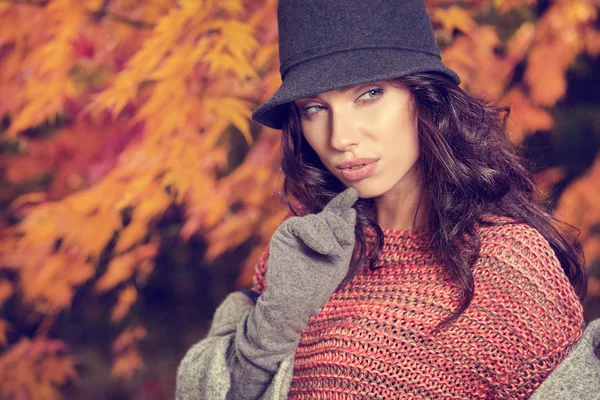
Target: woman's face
x,y
374,122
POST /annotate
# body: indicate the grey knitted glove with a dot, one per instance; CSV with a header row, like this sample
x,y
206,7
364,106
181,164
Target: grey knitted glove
x,y
309,256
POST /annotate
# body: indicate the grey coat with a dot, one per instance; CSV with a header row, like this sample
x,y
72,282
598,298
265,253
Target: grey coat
x,y
204,374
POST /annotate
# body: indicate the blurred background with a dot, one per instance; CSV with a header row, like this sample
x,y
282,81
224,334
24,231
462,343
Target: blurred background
x,y
135,192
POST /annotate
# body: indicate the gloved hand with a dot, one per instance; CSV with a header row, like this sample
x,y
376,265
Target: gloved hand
x,y
309,257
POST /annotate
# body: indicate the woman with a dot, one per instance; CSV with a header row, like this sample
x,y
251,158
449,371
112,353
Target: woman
x,y
418,264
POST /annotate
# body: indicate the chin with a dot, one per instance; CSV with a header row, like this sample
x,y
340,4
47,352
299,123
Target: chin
x,y
365,192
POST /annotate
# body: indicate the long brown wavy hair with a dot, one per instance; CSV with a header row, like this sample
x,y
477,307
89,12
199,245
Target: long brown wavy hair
x,y
470,170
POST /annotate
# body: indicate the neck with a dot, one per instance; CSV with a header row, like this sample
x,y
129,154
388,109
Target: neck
x,y
403,207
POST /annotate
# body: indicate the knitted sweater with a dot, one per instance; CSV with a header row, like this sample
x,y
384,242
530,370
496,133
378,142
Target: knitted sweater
x,y
375,337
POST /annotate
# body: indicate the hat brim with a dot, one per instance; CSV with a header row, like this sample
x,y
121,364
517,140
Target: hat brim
x,y
343,70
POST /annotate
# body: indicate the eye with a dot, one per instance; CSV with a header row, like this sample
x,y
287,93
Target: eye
x,y
372,94
312,110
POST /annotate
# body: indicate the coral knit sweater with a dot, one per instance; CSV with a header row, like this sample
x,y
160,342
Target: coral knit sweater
x,y
374,338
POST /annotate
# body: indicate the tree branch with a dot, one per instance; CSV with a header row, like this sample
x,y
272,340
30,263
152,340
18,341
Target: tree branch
x,y
32,3
132,22
103,12
96,15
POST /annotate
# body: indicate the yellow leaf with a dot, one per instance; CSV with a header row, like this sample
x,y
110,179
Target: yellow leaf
x,y
236,229
78,273
119,269
233,7
127,298
266,55
133,233
454,18
33,197
156,203
92,233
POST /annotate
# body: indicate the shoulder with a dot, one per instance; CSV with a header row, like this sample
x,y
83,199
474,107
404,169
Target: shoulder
x,y
496,232
519,246
522,292
578,374
518,257
523,304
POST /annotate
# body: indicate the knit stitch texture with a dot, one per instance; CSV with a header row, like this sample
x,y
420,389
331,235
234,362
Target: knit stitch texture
x,y
375,338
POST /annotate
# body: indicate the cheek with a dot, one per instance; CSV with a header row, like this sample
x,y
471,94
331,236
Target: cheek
x,y
317,143
403,144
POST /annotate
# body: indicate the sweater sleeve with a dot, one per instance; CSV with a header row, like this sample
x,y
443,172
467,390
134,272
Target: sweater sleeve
x,y
578,376
528,304
259,281
205,373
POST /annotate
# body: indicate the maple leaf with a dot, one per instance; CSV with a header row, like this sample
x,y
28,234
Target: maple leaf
x,y
132,234
547,179
592,41
520,43
525,117
6,291
126,300
119,269
454,18
236,229
505,6
148,97
33,369
546,75
127,364
579,207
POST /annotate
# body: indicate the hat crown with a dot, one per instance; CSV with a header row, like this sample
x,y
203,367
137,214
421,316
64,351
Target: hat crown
x,y
326,45
313,28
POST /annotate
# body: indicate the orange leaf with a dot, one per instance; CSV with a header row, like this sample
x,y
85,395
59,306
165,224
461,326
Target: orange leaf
x,y
126,365
33,197
119,270
133,233
129,337
592,41
454,18
546,179
58,370
525,117
579,207
6,290
3,328
545,75
127,299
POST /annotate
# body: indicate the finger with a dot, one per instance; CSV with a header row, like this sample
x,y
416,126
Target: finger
x,y
315,233
342,201
342,230
349,216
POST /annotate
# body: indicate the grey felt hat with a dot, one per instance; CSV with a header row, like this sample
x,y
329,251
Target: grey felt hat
x,y
332,44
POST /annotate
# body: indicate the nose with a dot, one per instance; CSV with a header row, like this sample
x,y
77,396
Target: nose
x,y
343,133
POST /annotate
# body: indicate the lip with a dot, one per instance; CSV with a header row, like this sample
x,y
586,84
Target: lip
x,y
356,174
355,162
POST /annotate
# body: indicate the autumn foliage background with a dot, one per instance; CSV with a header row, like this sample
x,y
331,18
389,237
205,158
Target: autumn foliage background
x,y
136,192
